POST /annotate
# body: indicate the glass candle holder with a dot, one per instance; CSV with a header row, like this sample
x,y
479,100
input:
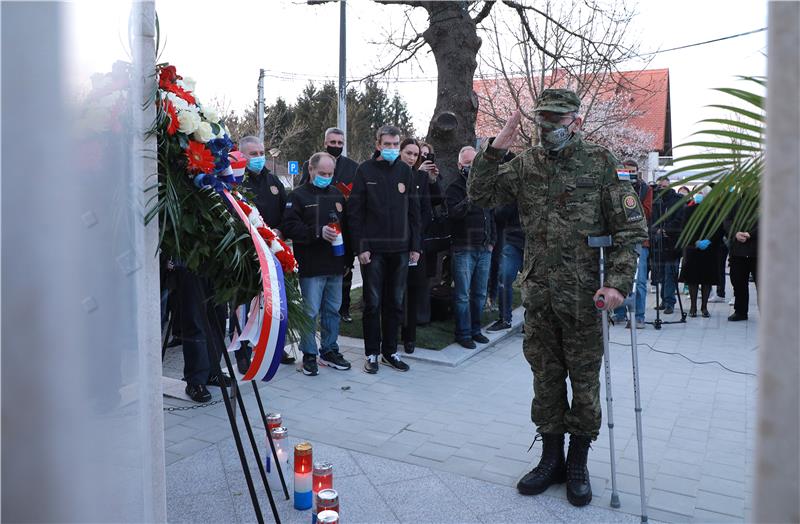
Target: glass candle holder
x,y
274,420
323,476
328,517
281,458
303,493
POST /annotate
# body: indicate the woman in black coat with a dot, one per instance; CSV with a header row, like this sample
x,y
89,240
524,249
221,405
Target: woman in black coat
x,y
700,261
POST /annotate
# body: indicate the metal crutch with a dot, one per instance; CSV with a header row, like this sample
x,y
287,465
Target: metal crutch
x,y
637,400
603,242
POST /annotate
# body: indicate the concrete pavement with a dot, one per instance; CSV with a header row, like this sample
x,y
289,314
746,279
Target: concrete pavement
x,y
439,435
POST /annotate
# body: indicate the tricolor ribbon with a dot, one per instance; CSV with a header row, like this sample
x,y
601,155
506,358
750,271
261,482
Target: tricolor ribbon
x,y
271,324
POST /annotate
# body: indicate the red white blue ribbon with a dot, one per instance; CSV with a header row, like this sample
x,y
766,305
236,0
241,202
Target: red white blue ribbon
x,y
267,321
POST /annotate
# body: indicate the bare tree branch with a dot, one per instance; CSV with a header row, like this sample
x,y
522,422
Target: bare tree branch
x,y
484,12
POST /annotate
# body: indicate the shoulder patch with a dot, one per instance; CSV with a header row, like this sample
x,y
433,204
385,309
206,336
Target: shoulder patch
x,y
631,207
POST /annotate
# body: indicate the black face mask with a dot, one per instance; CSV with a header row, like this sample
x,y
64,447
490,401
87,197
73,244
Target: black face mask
x,y
335,151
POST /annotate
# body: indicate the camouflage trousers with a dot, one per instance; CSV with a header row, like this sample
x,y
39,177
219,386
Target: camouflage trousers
x,y
556,349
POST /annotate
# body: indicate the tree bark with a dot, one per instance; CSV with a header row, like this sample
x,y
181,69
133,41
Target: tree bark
x,y
453,38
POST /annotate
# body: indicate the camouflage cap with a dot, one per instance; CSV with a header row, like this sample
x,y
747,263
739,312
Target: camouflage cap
x,y
558,101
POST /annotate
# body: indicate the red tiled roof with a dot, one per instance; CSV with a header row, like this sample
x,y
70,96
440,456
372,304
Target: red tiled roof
x,y
647,93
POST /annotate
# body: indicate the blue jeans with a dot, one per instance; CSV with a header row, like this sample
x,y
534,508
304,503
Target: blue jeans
x,y
471,276
669,287
641,287
510,264
322,296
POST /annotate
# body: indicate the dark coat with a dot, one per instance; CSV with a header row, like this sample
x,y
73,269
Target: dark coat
x,y
507,219
700,266
471,226
270,195
307,211
383,212
665,245
741,249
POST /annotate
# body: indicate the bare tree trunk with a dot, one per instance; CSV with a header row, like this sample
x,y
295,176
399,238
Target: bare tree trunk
x,y
453,38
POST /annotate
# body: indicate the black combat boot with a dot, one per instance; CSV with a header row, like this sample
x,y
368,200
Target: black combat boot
x,y
579,490
551,468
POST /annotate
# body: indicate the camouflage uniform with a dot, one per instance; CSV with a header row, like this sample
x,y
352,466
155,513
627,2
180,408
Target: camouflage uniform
x,y
563,197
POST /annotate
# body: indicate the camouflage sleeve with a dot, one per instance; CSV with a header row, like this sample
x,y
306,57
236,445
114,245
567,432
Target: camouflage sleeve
x,y
625,220
491,184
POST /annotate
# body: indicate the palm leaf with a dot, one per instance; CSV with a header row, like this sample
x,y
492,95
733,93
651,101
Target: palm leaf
x,y
733,165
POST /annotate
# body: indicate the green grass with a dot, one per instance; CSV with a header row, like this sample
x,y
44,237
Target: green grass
x,y
436,335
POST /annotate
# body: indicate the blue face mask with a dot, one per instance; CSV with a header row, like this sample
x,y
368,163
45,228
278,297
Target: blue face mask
x,y
256,163
322,181
390,154
698,198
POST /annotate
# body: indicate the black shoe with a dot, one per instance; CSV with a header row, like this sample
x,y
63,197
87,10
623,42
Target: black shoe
x,y
310,365
669,310
466,343
286,358
499,325
704,313
198,393
551,468
736,317
346,318
480,338
243,364
394,362
371,364
579,489
408,347
219,381
693,313
176,341
335,360
660,306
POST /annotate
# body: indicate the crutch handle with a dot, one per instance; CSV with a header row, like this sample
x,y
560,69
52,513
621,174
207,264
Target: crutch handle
x,y
600,303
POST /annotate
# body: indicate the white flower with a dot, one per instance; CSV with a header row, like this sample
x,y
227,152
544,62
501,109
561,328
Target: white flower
x,y
188,83
203,133
188,122
275,247
222,130
255,219
211,114
181,104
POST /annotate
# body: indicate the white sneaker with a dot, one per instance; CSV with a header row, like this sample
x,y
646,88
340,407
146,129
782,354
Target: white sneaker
x,y
716,298
731,301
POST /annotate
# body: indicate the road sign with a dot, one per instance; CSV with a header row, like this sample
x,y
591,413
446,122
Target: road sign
x,y
294,167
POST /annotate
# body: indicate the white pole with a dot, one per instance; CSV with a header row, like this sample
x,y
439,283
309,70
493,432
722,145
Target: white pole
x,y
260,110
342,124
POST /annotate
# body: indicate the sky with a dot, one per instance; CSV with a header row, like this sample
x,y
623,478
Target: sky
x,y
223,45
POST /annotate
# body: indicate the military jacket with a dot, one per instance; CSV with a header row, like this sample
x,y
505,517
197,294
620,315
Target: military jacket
x,y
563,198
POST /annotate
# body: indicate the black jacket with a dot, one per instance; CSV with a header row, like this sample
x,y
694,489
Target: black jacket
x,y
270,195
307,211
507,220
470,226
382,212
429,195
741,249
664,246
344,172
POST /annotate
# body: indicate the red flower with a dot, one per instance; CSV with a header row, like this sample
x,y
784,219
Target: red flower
x,y
167,77
180,93
172,114
266,234
287,261
245,208
200,158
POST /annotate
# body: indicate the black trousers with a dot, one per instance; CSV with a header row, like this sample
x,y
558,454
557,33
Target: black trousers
x,y
723,255
195,314
741,269
347,283
384,289
417,293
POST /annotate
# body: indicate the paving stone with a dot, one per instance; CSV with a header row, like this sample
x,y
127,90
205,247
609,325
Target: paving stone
x,y
720,504
434,451
383,471
674,484
701,515
722,486
673,502
188,447
361,502
426,499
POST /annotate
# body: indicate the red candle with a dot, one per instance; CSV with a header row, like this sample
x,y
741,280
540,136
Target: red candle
x,y
323,476
274,420
303,493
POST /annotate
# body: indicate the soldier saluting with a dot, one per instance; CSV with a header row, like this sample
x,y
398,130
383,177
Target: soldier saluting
x,y
567,189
